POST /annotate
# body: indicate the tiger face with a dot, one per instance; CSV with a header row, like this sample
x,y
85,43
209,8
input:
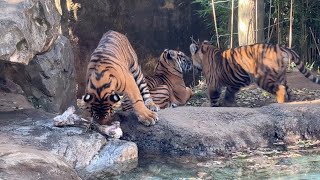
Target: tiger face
x,y
101,95
177,59
197,53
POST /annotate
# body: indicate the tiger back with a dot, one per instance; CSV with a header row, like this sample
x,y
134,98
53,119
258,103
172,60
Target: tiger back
x,y
263,64
113,70
167,87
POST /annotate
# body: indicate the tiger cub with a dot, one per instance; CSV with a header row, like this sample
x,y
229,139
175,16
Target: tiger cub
x,y
167,87
263,64
113,70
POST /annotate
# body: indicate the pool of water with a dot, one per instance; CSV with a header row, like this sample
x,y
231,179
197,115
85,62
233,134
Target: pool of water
x,y
274,165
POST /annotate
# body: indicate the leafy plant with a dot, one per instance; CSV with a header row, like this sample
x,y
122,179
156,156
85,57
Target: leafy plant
x,y
223,16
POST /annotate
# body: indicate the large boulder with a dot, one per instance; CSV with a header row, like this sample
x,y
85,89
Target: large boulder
x,y
49,79
52,77
27,28
26,163
30,136
206,132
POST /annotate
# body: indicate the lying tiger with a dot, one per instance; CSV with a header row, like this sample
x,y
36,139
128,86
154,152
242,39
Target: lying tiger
x,y
112,71
167,87
263,64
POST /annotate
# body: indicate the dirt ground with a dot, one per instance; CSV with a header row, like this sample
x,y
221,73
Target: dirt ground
x,y
300,89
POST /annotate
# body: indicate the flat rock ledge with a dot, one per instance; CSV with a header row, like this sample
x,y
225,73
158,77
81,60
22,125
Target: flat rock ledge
x,y
31,148
206,132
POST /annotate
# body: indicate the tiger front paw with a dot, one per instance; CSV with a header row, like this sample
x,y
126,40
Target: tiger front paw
x,y
151,105
147,117
173,105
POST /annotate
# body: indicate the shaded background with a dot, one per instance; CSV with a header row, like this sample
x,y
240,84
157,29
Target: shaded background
x,y
150,25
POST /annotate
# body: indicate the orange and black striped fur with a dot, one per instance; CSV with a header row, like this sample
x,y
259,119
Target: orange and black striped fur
x,y
112,71
263,64
166,85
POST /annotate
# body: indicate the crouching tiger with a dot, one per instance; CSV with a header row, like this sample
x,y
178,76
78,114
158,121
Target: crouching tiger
x,y
167,87
113,70
263,64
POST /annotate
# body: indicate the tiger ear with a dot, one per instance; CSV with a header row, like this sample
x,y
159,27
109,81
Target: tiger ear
x,y
114,98
193,49
170,54
87,98
204,48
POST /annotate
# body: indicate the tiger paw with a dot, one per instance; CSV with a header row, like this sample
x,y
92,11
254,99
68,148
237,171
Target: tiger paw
x,y
151,105
173,105
147,117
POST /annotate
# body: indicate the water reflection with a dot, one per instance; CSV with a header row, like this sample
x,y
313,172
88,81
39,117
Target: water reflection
x,y
254,165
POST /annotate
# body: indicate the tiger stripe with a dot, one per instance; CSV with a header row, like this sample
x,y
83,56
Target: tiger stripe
x,y
113,70
167,87
264,64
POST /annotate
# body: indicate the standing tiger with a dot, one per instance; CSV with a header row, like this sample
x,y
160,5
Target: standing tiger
x,y
263,64
113,70
167,87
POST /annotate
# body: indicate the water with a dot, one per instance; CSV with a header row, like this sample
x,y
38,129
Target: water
x,y
279,166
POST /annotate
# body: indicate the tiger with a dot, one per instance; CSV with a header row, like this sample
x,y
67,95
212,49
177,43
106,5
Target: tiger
x,y
113,70
167,87
263,64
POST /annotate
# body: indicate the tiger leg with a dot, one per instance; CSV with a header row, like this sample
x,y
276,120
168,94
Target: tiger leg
x,y
214,94
281,94
277,88
189,93
145,116
179,97
126,104
229,98
143,88
161,96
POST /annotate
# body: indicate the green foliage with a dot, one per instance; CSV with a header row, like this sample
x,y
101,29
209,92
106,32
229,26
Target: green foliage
x,y
223,13
305,13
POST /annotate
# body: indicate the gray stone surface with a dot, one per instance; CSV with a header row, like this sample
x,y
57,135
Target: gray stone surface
x,y
27,163
89,153
52,77
49,79
114,158
27,28
205,132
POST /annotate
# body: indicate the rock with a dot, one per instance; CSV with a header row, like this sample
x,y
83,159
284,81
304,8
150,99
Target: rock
x,y
27,28
8,86
205,132
26,163
116,157
49,79
89,153
13,102
52,77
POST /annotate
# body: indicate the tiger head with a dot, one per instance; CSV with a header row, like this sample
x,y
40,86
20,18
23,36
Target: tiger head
x,y
198,52
101,95
176,59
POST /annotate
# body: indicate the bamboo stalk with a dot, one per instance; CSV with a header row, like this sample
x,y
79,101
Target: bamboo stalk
x,y
315,41
290,28
256,24
231,33
269,38
215,22
269,22
278,24
250,24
